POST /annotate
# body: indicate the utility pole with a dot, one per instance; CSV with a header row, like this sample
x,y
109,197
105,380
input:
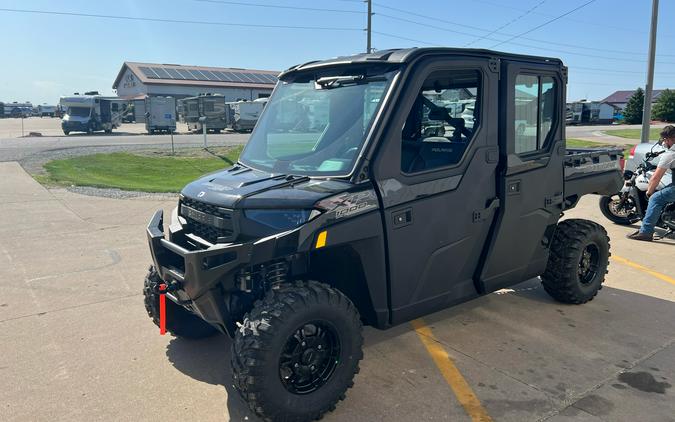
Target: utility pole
x,y
647,109
370,27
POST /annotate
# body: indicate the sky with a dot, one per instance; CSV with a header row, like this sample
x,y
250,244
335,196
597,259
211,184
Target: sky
x,y
44,56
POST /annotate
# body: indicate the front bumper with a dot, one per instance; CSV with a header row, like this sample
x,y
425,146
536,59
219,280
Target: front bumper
x,y
201,279
74,126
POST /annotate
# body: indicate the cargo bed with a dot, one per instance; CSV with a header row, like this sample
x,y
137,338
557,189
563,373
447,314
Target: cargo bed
x,y
597,170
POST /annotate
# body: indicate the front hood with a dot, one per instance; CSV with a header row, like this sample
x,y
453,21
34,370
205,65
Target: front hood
x,y
244,188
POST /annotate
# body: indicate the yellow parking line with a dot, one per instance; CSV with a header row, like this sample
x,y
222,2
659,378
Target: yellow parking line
x,y
637,266
465,395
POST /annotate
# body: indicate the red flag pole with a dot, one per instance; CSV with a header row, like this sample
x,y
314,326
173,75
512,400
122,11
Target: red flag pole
x,y
162,309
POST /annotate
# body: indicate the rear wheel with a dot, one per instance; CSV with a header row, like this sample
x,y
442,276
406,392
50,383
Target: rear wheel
x,y
66,132
577,262
297,351
619,211
179,321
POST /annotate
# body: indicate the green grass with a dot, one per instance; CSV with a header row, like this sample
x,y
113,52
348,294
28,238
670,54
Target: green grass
x,y
634,133
161,172
580,143
140,172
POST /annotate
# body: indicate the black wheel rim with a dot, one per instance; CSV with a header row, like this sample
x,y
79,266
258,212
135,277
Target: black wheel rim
x,y
309,357
625,209
588,264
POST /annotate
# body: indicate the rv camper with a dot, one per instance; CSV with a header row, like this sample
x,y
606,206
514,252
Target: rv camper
x,y
589,112
244,114
91,113
45,110
211,107
160,114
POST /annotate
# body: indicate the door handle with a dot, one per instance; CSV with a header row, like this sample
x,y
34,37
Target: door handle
x,y
402,218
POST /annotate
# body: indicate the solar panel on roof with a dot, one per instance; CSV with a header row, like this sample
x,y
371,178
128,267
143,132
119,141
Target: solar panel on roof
x,y
209,74
199,74
148,72
174,73
233,77
216,75
245,77
161,72
258,77
184,74
221,75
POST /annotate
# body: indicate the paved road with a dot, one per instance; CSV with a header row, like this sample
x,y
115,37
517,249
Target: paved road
x,y
76,344
596,133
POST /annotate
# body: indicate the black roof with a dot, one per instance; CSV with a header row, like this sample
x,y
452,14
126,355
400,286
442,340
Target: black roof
x,y
406,55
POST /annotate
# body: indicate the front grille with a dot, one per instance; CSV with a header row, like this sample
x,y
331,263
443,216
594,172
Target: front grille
x,y
210,222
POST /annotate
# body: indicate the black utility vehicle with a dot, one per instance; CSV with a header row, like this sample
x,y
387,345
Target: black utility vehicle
x,y
375,189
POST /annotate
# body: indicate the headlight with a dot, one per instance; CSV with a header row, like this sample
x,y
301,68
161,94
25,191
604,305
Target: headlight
x,y
279,219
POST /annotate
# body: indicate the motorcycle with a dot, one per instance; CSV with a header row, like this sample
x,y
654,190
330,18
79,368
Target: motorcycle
x,y
630,204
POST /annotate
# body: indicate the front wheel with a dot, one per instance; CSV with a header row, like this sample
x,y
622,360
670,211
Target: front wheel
x,y
577,262
297,351
619,210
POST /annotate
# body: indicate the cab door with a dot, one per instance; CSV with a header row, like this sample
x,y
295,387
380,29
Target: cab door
x,y
435,172
532,99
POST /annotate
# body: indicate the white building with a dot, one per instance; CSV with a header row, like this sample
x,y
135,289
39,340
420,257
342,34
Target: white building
x,y
137,80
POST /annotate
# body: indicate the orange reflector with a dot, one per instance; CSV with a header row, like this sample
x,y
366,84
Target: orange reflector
x,y
321,239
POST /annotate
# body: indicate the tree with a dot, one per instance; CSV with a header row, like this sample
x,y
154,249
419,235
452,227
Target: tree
x,y
632,114
664,109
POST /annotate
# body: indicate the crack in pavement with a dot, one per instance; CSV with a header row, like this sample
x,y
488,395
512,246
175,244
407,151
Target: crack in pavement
x,y
82,305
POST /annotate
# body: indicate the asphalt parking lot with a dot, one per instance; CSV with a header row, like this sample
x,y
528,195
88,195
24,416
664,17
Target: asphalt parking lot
x,y
77,345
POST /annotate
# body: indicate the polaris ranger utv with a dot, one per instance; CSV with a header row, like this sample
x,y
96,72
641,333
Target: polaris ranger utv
x,y
365,197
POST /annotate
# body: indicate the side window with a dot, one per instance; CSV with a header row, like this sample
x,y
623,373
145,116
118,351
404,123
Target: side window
x,y
442,121
534,112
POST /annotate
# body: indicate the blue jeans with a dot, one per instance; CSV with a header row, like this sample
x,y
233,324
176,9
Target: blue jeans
x,y
656,204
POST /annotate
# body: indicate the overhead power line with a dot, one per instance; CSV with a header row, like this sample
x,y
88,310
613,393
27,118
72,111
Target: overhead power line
x,y
455,24
545,23
275,6
403,38
520,44
182,21
516,19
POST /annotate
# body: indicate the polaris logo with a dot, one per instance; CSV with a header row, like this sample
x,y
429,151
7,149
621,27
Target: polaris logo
x,y
200,194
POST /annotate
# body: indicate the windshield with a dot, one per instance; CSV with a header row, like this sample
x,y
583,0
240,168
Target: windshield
x,y
316,127
79,111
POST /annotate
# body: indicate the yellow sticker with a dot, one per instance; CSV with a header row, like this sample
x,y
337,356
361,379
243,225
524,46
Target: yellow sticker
x,y
321,239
